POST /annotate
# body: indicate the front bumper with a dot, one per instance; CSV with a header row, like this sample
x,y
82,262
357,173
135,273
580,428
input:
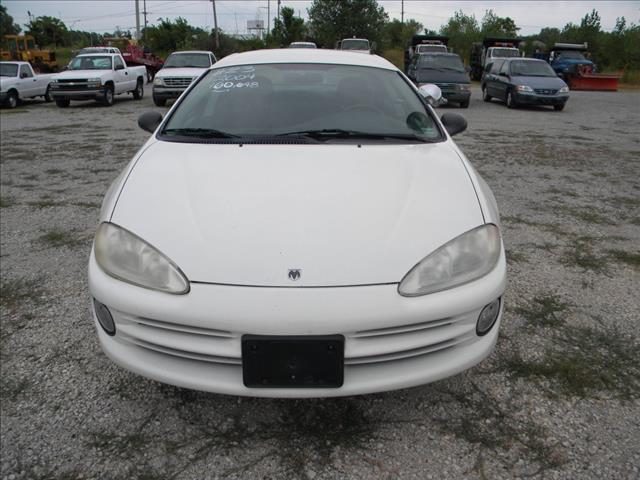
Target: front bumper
x,y
82,94
539,99
458,96
168,92
391,342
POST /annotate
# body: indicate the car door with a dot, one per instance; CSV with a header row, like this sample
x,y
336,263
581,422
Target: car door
x,y
27,86
502,81
492,79
121,73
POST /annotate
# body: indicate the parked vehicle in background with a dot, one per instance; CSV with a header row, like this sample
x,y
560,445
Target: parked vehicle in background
x,y
23,48
445,70
136,55
98,76
360,45
315,233
424,44
566,58
483,53
524,81
18,82
99,50
302,45
179,70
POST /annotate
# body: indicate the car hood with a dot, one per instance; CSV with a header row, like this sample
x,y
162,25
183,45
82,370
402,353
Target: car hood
x,y
341,214
539,82
80,74
428,75
180,72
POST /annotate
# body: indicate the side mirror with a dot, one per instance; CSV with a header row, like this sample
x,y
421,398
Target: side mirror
x,y
502,74
454,123
119,67
149,121
431,94
23,75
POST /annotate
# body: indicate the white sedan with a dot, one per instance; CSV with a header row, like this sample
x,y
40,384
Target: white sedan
x,y
300,224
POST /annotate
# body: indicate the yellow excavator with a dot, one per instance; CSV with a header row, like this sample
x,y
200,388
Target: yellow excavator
x,y
23,48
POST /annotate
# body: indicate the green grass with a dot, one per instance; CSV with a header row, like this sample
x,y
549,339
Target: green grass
x,y
15,292
581,255
7,201
623,256
544,311
60,238
584,361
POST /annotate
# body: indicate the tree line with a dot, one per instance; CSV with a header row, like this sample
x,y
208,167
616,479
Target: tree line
x,y
332,20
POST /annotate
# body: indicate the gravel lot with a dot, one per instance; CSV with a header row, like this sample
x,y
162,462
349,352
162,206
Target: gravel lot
x,y
559,398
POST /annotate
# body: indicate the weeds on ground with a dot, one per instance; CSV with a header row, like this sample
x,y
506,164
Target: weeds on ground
x,y
544,311
7,201
14,292
60,238
622,256
580,254
583,361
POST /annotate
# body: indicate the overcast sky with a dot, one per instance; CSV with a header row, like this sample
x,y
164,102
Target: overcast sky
x,y
106,15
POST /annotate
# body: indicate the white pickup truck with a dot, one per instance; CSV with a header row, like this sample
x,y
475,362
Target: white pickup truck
x,y
18,81
97,76
178,72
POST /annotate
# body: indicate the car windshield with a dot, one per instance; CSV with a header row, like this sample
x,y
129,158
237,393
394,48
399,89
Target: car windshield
x,y
91,62
505,52
526,68
573,54
321,102
349,44
8,70
440,62
431,48
185,60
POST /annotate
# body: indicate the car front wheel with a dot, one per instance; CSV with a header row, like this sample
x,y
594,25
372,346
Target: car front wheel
x,y
12,100
47,95
139,91
485,95
511,102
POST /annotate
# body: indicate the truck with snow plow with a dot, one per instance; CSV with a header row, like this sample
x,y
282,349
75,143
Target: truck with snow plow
x,y
483,53
570,62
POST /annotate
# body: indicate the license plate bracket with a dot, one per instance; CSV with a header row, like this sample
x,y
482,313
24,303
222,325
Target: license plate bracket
x,y
293,361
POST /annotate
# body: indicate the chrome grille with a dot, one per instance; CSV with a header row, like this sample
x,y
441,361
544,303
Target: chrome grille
x,y
546,91
178,81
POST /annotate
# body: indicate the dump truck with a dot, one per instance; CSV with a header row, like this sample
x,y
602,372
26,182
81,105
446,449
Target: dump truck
x,y
424,44
483,53
570,62
23,48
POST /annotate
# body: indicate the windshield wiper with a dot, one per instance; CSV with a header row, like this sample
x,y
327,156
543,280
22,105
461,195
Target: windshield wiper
x,y
329,133
199,133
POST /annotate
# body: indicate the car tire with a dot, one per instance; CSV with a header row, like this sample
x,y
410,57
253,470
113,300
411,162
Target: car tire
x,y
558,108
62,102
464,104
138,93
159,102
47,95
485,95
511,103
150,75
12,100
108,96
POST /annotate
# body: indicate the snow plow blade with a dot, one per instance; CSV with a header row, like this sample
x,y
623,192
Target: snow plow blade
x,y
594,82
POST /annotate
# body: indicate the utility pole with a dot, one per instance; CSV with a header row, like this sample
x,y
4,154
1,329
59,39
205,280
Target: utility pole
x,y
402,13
215,24
278,9
268,17
144,11
137,19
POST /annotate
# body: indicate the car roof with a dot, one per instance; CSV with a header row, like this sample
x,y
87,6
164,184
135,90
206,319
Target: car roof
x,y
190,51
14,62
292,55
100,54
526,59
438,54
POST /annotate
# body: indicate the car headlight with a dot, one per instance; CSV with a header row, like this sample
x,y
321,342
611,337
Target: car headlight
x,y
464,259
464,87
524,88
564,89
158,81
127,257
